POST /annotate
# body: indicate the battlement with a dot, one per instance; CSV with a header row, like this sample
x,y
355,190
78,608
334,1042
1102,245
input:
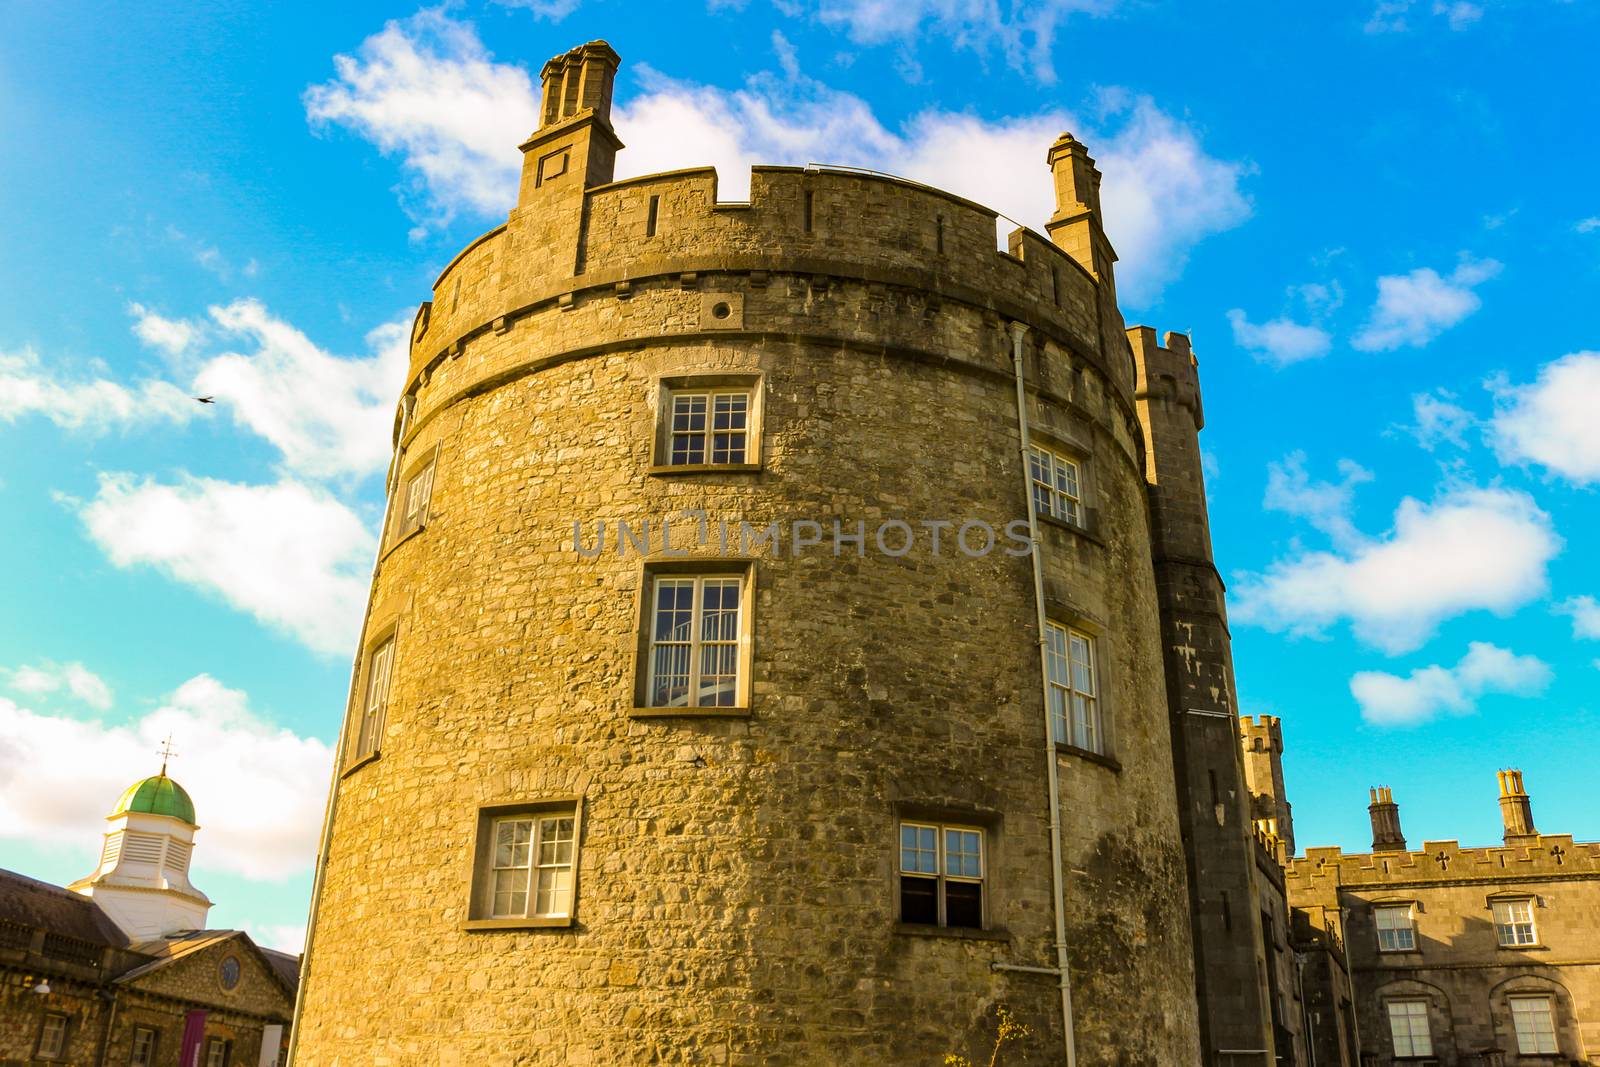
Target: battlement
x,y
1167,372
1261,733
1548,856
824,225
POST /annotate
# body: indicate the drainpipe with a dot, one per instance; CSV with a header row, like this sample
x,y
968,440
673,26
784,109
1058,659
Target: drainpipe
x,y
1018,332
332,806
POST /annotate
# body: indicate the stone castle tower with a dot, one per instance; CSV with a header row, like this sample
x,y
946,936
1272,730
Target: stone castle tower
x,y
696,718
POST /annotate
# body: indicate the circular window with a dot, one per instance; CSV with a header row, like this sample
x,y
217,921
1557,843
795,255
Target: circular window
x,y
721,311
229,972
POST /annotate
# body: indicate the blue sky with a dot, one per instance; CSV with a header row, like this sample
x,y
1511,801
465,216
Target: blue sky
x,y
1378,220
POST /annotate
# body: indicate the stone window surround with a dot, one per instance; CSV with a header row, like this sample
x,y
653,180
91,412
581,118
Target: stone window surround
x,y
354,758
1069,448
666,385
1534,902
1062,614
644,608
988,821
478,884
1413,907
1550,1013
62,1042
149,1058
1427,1020
404,527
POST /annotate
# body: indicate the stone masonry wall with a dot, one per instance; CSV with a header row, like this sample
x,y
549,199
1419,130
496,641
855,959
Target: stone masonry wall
x,y
736,883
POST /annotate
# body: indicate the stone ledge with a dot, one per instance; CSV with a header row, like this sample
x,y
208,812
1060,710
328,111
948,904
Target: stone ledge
x,y
704,468
561,923
960,933
689,713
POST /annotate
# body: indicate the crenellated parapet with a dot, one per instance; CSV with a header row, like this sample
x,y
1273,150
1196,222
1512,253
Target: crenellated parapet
x,y
1551,856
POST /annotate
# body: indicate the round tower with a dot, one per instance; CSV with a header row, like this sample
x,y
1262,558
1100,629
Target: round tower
x,y
142,881
710,707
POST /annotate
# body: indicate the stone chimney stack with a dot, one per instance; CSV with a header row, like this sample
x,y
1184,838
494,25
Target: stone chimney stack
x,y
1385,813
579,80
1516,809
1077,227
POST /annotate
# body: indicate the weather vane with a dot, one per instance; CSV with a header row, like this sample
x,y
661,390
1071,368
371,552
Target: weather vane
x,y
166,754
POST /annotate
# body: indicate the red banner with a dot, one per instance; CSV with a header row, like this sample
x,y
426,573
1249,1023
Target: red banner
x,y
194,1035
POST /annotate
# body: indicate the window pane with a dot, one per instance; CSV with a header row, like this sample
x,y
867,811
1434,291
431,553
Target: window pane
x,y
962,854
674,609
1082,665
963,904
1535,1025
919,902
918,849
1408,1026
671,673
719,619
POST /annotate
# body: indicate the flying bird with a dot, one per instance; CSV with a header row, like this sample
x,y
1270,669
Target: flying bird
x,y
204,399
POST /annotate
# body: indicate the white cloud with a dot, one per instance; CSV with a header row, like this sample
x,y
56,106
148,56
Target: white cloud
x,y
428,91
1439,419
329,416
1392,16
1551,421
1326,505
96,405
284,938
1470,549
173,337
1412,309
1280,341
1588,225
289,554
78,680
1390,700
258,789
554,10
1024,33
1585,613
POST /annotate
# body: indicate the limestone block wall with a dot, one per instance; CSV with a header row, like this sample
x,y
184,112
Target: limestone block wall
x,y
1458,966
736,883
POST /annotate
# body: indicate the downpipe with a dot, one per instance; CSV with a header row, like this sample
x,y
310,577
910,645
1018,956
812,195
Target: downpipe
x,y
1018,332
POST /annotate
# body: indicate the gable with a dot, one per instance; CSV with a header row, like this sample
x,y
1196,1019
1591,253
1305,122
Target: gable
x,y
196,975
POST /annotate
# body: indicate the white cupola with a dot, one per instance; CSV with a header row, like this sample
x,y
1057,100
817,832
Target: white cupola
x,y
142,881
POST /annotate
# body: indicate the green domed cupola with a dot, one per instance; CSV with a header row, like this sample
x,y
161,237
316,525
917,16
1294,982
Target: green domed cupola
x,y
157,795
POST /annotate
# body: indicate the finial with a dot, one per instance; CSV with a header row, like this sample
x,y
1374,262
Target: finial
x,y
166,754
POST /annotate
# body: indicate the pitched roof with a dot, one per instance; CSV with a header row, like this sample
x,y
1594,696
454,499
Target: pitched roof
x,y
34,903
165,950
286,966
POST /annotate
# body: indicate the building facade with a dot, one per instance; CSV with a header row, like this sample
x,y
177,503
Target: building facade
x,y
1463,956
116,969
712,705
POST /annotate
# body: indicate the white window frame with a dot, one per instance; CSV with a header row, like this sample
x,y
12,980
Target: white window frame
x,y
1531,1040
217,1052
1056,482
1511,931
1409,1041
697,643
53,1040
546,835
418,494
374,705
706,435
1076,714
941,875
142,1055
1395,937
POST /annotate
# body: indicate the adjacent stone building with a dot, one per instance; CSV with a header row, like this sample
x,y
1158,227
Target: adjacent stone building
x,y
115,970
795,635
1462,956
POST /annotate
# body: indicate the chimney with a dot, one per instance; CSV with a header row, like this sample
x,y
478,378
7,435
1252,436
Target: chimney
x,y
1386,835
1076,227
1516,810
579,80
